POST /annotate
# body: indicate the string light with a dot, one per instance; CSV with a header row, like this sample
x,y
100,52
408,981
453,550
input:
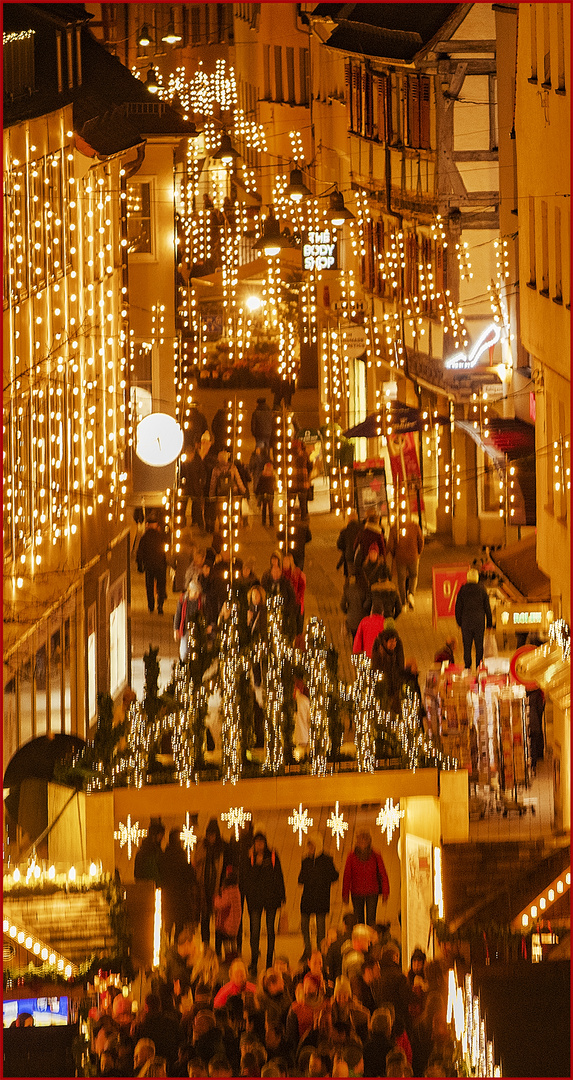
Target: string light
x,y
337,825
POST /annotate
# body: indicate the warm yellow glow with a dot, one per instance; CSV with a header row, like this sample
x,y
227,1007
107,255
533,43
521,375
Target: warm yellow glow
x,y
157,929
438,891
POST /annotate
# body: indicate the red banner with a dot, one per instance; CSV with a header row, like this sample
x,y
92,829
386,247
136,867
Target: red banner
x,y
446,581
405,466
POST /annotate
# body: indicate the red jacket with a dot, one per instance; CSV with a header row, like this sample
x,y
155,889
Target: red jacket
x,y
362,878
297,579
368,630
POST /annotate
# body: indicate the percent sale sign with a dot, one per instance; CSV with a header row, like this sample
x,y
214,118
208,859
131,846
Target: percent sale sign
x,y
446,581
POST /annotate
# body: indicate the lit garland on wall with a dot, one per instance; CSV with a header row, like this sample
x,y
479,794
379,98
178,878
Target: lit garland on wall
x,y
320,685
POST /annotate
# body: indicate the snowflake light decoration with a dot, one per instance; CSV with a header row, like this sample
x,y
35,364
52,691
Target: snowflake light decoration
x,y
129,833
300,822
389,818
236,819
187,837
337,825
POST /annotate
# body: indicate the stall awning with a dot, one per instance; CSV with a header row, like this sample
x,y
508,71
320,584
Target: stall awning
x,y
518,563
508,436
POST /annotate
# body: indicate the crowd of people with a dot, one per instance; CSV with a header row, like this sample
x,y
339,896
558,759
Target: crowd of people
x,y
347,1008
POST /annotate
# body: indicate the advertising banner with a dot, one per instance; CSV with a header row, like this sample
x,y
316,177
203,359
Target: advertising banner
x,y
419,897
406,467
446,581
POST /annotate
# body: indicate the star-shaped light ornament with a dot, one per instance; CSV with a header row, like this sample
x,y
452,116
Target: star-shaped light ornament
x,y
130,834
187,837
236,819
300,822
389,818
337,825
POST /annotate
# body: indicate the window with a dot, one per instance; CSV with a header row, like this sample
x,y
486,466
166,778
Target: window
x,y
56,724
92,664
40,688
546,45
117,637
558,259
141,389
418,111
544,250
532,266
304,75
139,220
533,41
278,74
560,88
490,488
67,658
266,72
290,75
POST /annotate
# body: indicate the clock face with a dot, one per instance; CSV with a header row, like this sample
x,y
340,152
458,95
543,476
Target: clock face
x,y
159,439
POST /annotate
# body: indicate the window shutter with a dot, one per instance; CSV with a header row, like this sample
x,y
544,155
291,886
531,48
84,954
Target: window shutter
x,y
368,105
425,111
380,257
348,85
357,100
381,105
413,111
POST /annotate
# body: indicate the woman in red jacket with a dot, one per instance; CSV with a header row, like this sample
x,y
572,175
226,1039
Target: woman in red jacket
x,y
365,879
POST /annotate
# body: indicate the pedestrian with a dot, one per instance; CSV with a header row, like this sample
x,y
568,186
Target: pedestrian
x,y
262,423
221,429
317,874
300,477
446,655
264,891
182,560
194,475
210,505
301,536
275,584
209,861
388,659
282,386
373,568
473,614
188,606
195,567
391,603
257,461
228,914
239,854
405,545
265,492
180,891
152,561
365,879
369,628
298,581
195,426
355,602
226,484
346,540
370,533
147,865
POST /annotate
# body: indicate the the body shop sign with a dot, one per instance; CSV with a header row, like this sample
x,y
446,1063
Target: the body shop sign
x,y
319,250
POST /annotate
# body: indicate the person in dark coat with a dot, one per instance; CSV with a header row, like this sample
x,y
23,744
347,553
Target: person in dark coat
x,y
473,614
239,854
214,593
394,984
317,874
388,658
194,473
210,859
257,462
220,429
370,533
301,536
210,505
161,1027
147,865
346,540
355,602
379,1043
265,492
392,605
264,891
152,560
180,891
300,478
262,423
365,879
196,426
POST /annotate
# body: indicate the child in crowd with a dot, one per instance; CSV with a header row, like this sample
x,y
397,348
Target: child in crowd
x,y
227,905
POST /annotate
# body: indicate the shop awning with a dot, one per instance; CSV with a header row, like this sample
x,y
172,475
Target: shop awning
x,y
403,418
518,563
508,436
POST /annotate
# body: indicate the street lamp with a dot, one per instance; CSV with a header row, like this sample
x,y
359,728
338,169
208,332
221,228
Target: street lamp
x,y
226,153
337,213
151,82
170,37
144,38
270,241
296,189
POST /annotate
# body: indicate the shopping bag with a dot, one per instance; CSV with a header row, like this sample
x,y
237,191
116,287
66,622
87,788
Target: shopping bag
x,y
489,644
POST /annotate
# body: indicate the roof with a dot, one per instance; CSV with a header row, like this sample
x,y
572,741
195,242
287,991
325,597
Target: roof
x,y
518,563
394,31
108,89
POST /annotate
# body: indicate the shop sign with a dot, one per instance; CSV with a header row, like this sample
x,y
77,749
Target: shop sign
x,y
319,250
465,361
446,583
354,340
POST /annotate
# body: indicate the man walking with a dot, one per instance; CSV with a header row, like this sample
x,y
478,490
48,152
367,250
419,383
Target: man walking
x,y
406,545
264,891
473,613
262,423
152,560
317,874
